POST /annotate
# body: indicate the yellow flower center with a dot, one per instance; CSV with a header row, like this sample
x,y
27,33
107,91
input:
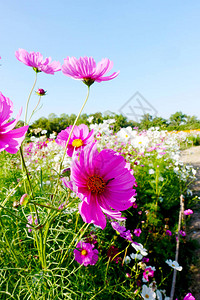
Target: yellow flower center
x,y
77,143
96,184
84,252
147,296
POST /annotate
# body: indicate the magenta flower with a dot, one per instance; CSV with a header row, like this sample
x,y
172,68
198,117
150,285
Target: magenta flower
x,y
189,297
85,69
84,254
168,232
36,61
122,231
145,259
137,232
104,183
10,140
182,233
79,139
31,219
134,205
148,272
117,227
188,212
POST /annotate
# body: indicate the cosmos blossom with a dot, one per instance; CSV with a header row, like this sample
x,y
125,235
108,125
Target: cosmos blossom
x,y
10,139
86,254
31,219
188,212
36,61
122,231
189,297
174,264
137,232
148,272
168,232
85,69
147,293
104,182
79,139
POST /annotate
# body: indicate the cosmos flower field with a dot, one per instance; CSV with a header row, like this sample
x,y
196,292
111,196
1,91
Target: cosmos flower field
x,y
87,213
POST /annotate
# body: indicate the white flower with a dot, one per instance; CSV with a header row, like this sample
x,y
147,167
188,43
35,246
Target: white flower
x,y
33,138
44,131
194,172
147,293
159,295
127,260
151,171
140,248
152,268
174,264
136,256
52,136
90,119
144,280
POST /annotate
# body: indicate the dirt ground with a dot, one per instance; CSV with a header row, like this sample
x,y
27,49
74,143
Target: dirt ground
x,y
192,156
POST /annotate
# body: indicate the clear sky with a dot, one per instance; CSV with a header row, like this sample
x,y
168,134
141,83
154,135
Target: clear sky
x,y
155,44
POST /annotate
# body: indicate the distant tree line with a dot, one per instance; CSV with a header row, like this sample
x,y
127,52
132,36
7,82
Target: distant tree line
x,y
177,121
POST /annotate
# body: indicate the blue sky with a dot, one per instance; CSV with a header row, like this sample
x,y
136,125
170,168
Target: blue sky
x,y
154,44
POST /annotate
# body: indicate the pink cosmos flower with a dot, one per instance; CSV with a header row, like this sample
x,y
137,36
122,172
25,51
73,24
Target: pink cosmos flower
x,y
84,254
168,232
122,231
79,139
31,219
104,183
182,233
145,259
137,231
189,297
117,227
148,273
36,61
85,69
134,205
188,212
10,140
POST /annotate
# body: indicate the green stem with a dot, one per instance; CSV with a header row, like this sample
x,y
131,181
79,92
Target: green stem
x,y
77,236
27,103
9,244
12,214
67,143
26,171
34,109
75,125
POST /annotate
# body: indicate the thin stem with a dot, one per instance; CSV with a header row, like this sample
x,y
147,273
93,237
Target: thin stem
x,y
177,247
67,143
34,108
9,244
74,126
25,169
27,103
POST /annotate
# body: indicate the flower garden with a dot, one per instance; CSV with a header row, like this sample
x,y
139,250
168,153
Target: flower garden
x,y
88,213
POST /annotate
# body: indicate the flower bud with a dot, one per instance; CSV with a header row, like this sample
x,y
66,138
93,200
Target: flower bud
x,y
41,92
23,199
